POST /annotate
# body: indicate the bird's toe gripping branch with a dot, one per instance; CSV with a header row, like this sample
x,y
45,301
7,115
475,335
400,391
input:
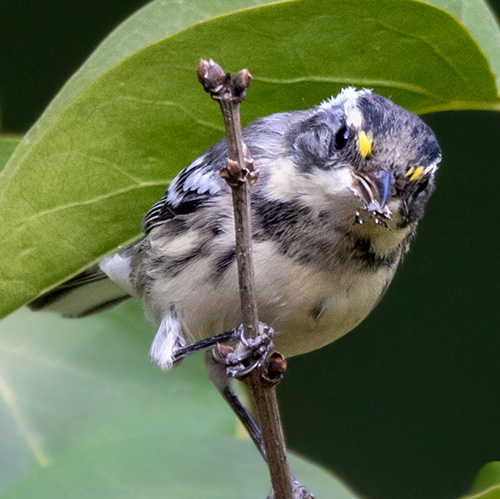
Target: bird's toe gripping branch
x,y
169,349
248,354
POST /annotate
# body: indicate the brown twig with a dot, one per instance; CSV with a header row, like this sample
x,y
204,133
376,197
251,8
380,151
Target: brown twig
x,y
240,175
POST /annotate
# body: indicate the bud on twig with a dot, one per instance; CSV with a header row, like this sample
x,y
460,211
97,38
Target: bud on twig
x,y
211,76
241,82
218,83
275,369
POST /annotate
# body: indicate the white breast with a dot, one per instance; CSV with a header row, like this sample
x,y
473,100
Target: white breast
x,y
316,307
307,308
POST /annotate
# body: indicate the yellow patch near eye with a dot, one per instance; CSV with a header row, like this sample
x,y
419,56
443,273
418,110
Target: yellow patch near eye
x,y
365,143
416,174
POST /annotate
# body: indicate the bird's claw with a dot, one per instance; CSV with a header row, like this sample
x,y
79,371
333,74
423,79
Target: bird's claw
x,y
248,353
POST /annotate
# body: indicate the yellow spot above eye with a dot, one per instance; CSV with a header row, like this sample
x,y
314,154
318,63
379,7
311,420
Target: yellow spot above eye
x,y
415,173
365,143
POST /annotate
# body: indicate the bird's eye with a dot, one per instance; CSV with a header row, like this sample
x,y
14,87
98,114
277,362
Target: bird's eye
x,y
341,137
421,186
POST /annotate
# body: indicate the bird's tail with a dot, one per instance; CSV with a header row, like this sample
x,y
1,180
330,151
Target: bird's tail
x,y
85,294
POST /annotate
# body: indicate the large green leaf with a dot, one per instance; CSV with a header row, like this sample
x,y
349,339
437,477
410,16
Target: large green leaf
x,y
7,147
87,415
487,482
157,20
167,464
80,185
480,21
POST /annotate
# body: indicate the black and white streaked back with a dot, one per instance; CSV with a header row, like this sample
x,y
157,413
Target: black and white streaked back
x,y
200,181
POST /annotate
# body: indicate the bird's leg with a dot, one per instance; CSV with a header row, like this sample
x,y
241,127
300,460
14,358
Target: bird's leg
x,y
218,376
221,338
222,365
248,353
169,346
237,362
217,372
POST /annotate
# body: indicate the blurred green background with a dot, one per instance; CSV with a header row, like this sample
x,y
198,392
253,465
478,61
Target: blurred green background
x,y
407,406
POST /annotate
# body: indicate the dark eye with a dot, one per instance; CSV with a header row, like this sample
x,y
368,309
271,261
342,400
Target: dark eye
x,y
421,186
341,137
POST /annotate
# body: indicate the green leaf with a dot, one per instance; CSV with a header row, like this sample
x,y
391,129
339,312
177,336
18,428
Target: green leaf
x,y
7,146
158,466
85,414
487,482
480,21
157,20
80,185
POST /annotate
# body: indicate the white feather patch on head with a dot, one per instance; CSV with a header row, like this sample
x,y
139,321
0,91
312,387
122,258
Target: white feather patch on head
x,y
348,99
354,119
168,339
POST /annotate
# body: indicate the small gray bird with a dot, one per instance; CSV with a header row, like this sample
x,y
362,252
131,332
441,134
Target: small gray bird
x,y
341,190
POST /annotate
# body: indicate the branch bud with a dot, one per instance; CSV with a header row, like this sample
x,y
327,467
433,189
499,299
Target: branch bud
x,y
211,76
241,82
275,368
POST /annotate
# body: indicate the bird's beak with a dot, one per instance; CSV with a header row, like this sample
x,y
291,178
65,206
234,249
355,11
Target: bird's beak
x,y
374,190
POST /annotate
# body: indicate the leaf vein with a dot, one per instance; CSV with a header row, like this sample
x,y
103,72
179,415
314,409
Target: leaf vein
x,y
86,202
368,82
32,441
168,103
432,46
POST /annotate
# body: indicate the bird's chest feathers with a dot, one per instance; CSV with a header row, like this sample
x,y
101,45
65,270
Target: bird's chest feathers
x,y
310,308
329,308
321,306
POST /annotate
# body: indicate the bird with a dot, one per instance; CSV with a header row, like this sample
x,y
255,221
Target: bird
x,y
342,187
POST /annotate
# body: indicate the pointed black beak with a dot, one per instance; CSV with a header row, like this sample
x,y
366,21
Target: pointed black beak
x,y
374,190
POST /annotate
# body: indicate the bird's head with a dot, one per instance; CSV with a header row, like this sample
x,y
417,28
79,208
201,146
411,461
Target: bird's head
x,y
362,156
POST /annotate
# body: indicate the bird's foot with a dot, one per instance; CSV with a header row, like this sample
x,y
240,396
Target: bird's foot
x,y
248,353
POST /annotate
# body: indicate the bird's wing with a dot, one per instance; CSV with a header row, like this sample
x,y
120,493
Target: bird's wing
x,y
200,181
194,185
